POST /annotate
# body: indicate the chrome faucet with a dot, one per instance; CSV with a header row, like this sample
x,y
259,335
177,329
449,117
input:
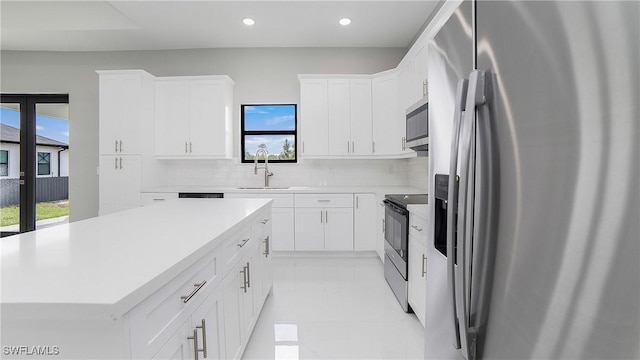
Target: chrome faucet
x,y
262,150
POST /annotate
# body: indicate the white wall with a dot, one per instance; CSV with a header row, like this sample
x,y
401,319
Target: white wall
x,y
261,75
14,159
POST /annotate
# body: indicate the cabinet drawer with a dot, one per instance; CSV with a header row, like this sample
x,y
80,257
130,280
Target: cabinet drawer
x,y
232,249
261,225
155,319
279,200
324,200
147,199
418,228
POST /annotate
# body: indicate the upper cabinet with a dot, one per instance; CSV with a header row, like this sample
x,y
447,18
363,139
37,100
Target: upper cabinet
x,y
193,117
122,110
336,116
388,116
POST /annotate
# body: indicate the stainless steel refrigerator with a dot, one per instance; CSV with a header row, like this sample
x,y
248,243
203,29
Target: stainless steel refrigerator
x,y
534,111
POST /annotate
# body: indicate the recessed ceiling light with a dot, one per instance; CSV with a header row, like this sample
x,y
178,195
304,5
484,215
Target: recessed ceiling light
x,y
345,21
248,21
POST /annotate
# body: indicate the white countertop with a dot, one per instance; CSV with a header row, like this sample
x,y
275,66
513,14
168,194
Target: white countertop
x,y
392,189
108,264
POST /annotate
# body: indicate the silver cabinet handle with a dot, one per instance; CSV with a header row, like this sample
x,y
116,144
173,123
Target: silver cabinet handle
x,y
190,147
303,147
204,338
120,145
373,146
326,216
265,221
248,276
185,147
186,298
348,148
266,247
120,163
116,159
424,265
324,200
384,228
244,279
243,243
321,217
415,227
357,197
159,199
195,343
353,147
116,150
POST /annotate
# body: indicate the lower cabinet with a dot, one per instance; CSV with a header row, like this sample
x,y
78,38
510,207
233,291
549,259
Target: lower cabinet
x,y
119,183
246,287
417,278
365,236
324,229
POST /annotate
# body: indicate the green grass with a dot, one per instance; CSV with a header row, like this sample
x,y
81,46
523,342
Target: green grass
x,y
45,210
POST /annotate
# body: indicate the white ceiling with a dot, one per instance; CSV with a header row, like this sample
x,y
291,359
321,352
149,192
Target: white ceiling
x,y
153,25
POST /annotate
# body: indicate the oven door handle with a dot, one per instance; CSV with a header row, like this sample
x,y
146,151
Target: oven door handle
x,y
395,208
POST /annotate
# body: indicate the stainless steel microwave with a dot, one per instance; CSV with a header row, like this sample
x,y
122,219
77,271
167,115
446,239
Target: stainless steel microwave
x,y
418,126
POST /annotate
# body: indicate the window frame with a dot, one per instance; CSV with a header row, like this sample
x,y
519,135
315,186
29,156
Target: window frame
x,y
293,132
38,163
4,163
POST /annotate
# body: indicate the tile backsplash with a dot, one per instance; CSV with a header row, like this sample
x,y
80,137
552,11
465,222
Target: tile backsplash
x,y
411,172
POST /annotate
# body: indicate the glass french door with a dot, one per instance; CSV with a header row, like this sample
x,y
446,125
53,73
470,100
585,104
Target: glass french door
x,y
34,154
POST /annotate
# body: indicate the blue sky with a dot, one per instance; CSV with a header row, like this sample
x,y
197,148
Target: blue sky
x,y
52,128
269,117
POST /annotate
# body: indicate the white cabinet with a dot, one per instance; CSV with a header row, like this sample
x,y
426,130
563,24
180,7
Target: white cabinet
x,y
119,182
246,286
193,117
324,222
417,292
121,110
282,219
179,346
208,323
336,116
147,198
365,216
314,116
388,128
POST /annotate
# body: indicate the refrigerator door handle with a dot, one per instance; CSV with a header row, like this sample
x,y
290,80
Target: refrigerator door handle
x,y
461,96
466,196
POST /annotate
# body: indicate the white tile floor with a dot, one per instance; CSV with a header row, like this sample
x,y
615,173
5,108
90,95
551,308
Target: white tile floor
x,y
333,308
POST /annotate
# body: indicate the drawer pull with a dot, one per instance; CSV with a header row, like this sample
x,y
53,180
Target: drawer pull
x,y
321,200
185,299
265,221
243,243
424,265
159,199
244,279
415,227
266,247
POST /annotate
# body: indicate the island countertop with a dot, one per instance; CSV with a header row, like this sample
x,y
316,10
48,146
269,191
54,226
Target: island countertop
x,y
106,265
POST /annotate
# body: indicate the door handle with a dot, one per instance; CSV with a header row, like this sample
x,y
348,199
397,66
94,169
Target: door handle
x,y
203,326
452,199
186,298
424,265
120,145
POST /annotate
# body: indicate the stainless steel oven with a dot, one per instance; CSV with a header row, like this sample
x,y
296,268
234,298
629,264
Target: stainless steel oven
x,y
397,243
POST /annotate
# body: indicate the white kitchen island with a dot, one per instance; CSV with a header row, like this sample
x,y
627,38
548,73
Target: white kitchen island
x,y
153,282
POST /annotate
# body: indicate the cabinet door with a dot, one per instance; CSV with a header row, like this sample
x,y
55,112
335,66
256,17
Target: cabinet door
x,y
314,117
365,215
110,110
361,121
387,121
129,174
131,103
267,266
178,347
282,227
207,122
417,280
172,118
339,117
108,182
309,229
338,229
232,305
210,318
